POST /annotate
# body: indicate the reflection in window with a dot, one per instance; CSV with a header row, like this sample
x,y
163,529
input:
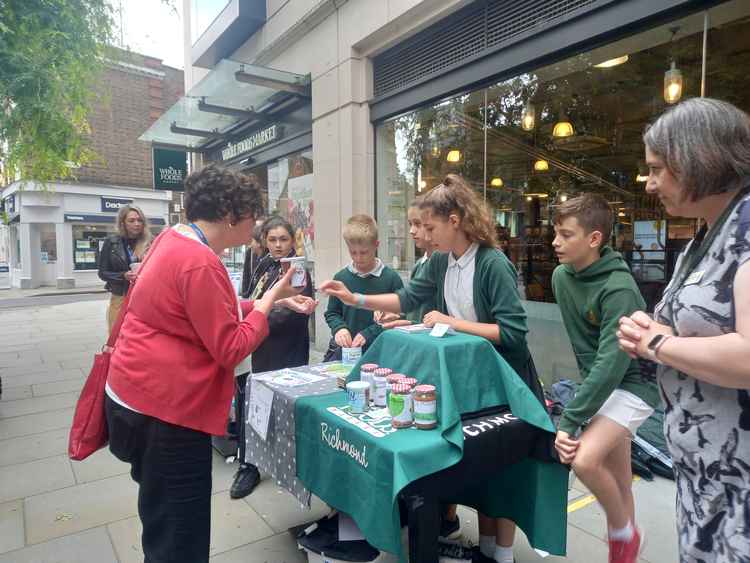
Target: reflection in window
x,y
574,126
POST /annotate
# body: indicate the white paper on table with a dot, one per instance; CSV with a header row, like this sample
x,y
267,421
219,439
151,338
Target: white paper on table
x,y
259,410
288,378
413,329
440,330
348,529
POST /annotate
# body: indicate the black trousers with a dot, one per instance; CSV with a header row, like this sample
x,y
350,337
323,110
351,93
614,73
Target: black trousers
x,y
172,466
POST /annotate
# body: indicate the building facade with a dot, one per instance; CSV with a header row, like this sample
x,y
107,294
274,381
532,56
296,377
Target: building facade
x,y
531,101
54,232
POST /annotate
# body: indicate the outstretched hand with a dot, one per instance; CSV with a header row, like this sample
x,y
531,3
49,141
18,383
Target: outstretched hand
x,y
337,289
300,304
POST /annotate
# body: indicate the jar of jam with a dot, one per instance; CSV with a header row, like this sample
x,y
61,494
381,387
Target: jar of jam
x,y
410,381
425,407
365,374
379,383
390,381
400,406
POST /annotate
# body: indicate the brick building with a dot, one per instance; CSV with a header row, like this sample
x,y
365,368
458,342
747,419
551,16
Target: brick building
x,y
54,235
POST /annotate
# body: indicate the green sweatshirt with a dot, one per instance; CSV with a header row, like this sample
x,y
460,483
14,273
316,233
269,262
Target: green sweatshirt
x,y
496,300
416,315
340,316
592,302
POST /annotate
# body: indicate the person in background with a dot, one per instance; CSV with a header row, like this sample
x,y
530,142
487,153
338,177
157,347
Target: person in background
x,y
366,274
698,155
288,341
118,252
474,287
253,255
171,374
594,288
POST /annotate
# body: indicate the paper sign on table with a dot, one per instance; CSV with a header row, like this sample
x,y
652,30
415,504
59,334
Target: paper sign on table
x,y
440,330
413,329
259,411
288,378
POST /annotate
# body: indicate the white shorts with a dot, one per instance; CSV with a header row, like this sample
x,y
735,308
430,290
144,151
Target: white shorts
x,y
625,409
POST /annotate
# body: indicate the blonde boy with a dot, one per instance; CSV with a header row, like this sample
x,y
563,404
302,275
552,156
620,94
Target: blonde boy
x,y
365,274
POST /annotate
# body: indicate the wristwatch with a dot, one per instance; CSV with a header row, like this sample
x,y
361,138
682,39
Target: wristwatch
x,y
656,343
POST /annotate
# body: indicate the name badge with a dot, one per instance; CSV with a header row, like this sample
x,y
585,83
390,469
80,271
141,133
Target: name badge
x,y
694,278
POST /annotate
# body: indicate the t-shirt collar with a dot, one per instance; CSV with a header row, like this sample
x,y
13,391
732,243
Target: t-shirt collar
x,y
466,258
376,271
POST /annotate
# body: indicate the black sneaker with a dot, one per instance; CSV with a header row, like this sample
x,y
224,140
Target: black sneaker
x,y
455,551
449,529
245,481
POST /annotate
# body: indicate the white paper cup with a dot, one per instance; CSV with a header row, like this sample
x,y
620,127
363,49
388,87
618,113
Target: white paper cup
x,y
299,277
350,356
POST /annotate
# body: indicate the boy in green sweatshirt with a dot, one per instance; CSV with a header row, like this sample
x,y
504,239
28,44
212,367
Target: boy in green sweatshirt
x,y
366,274
594,288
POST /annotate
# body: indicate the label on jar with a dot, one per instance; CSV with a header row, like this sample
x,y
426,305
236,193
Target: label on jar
x,y
357,400
400,408
425,412
380,392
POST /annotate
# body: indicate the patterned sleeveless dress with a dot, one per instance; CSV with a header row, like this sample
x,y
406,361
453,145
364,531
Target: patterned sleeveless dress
x,y
707,427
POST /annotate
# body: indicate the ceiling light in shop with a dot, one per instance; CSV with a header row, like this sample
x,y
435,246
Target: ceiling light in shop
x,y
641,178
435,150
422,185
673,84
541,165
563,127
621,214
613,62
563,198
529,198
453,156
496,182
528,117
539,195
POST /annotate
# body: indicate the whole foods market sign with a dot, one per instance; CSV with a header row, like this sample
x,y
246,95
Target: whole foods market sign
x,y
170,169
257,139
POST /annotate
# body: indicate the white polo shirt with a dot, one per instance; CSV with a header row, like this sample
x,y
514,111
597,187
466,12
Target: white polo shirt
x,y
459,285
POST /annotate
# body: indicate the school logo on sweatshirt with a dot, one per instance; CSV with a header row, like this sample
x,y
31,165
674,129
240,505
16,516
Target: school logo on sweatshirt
x,y
591,317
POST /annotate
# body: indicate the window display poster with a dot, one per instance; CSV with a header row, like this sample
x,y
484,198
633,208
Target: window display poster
x,y
649,239
301,213
80,244
80,257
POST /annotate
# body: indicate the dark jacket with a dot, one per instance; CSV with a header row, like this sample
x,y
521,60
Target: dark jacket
x,y
113,263
248,269
288,342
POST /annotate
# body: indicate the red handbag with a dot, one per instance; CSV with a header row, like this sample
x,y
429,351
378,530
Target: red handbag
x,y
89,432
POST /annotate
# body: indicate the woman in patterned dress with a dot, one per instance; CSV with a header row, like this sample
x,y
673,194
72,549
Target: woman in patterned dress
x,y
698,155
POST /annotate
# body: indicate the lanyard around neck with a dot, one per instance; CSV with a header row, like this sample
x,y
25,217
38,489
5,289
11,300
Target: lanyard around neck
x,y
200,233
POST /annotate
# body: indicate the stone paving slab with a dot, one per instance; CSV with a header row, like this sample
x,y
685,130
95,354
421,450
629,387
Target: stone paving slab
x,y
90,546
280,548
56,387
20,450
79,507
34,477
37,405
35,423
11,526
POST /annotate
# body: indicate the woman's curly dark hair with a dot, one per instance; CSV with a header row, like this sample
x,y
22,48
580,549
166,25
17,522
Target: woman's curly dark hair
x,y
213,193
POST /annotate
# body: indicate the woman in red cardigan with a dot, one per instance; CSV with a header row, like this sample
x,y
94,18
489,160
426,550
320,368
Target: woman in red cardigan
x,y
171,376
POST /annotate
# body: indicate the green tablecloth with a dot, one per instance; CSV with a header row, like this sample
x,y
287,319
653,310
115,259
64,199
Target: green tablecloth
x,y
359,465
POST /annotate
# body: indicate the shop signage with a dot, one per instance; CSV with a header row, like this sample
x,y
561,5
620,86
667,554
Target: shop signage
x,y
257,139
4,275
81,218
170,169
113,204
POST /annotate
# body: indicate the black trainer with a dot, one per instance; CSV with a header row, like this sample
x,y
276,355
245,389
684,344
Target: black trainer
x,y
449,529
455,551
245,481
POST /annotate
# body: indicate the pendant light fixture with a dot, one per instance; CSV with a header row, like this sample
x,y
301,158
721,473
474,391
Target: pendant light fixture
x,y
541,165
496,182
454,155
673,84
528,116
563,127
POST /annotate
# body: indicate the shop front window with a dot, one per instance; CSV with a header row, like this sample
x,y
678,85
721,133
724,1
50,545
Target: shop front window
x,y
47,243
87,243
528,143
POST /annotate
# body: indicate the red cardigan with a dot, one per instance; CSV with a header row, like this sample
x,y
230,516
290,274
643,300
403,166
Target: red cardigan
x,y
182,338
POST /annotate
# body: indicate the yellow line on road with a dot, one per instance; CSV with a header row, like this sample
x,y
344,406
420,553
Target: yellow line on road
x,y
588,499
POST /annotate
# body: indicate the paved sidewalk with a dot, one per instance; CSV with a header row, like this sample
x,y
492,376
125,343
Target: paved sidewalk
x,y
53,510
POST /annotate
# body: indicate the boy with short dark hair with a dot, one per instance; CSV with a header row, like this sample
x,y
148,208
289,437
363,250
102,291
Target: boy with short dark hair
x,y
366,274
594,288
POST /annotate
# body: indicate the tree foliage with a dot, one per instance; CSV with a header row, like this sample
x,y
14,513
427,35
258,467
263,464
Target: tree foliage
x,y
51,54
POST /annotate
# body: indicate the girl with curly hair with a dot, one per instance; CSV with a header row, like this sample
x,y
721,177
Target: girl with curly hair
x,y
474,286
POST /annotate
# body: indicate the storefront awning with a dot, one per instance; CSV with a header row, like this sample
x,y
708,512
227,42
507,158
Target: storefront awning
x,y
232,96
